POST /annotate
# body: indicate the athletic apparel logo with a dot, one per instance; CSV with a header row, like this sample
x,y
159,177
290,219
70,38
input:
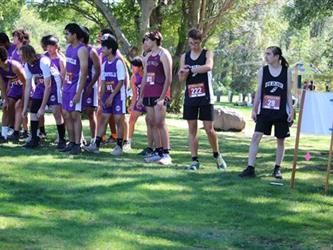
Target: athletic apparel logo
x,y
273,84
89,100
118,108
71,103
52,98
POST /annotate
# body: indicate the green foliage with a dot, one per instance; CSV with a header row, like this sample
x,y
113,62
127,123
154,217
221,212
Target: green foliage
x,y
9,12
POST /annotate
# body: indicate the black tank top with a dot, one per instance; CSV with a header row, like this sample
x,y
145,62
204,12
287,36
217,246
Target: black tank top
x,y
199,89
274,94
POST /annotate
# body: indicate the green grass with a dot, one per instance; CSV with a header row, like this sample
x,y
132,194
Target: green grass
x,y
53,201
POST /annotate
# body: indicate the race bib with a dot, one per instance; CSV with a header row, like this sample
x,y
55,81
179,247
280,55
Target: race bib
x,y
151,78
109,86
271,102
69,77
39,80
15,82
196,90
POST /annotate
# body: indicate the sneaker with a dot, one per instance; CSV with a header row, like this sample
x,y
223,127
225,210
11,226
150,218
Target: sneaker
x,y
146,151
41,135
152,157
3,140
248,172
32,144
111,140
61,144
76,150
117,151
165,160
127,147
25,135
277,173
194,166
220,163
92,148
14,138
68,148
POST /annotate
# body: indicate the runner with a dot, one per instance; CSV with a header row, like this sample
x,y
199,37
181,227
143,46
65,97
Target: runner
x,y
4,42
12,77
76,76
272,106
112,95
38,69
196,69
90,92
155,94
134,109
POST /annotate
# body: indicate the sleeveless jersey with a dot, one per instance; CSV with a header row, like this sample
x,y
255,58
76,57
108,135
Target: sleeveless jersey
x,y
72,77
274,94
199,89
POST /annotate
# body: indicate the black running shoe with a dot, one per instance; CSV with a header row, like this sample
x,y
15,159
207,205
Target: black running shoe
x,y
277,173
32,144
146,151
76,150
68,148
14,138
248,172
61,144
3,140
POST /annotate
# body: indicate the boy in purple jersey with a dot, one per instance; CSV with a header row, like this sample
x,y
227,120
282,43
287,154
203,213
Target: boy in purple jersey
x,y
90,92
38,68
11,75
4,42
113,95
76,76
135,109
155,91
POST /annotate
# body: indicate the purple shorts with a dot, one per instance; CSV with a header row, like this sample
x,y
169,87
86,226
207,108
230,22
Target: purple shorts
x,y
139,108
55,98
90,101
15,91
118,106
67,102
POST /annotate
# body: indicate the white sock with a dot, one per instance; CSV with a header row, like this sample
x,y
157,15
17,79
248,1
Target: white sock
x,y
130,141
4,131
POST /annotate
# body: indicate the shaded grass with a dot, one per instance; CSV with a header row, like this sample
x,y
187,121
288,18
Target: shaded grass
x,y
50,200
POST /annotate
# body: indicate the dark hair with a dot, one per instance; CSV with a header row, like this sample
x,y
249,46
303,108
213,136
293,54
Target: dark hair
x,y
195,34
85,32
155,36
22,35
107,31
74,28
52,40
145,36
44,40
3,54
110,43
4,38
137,61
28,53
277,51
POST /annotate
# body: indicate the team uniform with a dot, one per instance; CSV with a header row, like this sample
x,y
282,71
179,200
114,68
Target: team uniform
x,y
155,80
72,79
112,73
92,99
37,72
138,82
199,91
10,50
273,106
56,94
13,84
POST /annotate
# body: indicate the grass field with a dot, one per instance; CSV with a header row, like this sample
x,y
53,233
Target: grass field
x,y
50,200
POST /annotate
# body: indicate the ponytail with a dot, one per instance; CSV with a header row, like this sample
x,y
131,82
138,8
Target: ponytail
x,y
277,51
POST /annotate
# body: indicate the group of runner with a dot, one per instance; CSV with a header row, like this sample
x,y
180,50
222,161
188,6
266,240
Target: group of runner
x,y
94,82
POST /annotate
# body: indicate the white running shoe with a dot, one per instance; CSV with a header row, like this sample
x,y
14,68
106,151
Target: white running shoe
x,y
92,148
165,160
220,163
153,157
117,151
127,147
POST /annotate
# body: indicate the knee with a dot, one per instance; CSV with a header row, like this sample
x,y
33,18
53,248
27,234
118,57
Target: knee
x,y
256,138
210,131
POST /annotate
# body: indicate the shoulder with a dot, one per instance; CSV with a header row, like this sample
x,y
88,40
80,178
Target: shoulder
x,y
45,60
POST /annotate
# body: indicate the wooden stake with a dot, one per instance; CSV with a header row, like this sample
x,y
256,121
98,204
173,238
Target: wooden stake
x,y
327,183
298,132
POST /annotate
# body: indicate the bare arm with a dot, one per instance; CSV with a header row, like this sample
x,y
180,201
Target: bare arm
x,y
83,56
208,66
134,91
167,66
256,101
143,84
183,72
97,66
62,63
289,97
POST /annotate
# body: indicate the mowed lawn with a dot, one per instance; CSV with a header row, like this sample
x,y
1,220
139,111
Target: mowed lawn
x,y
50,200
